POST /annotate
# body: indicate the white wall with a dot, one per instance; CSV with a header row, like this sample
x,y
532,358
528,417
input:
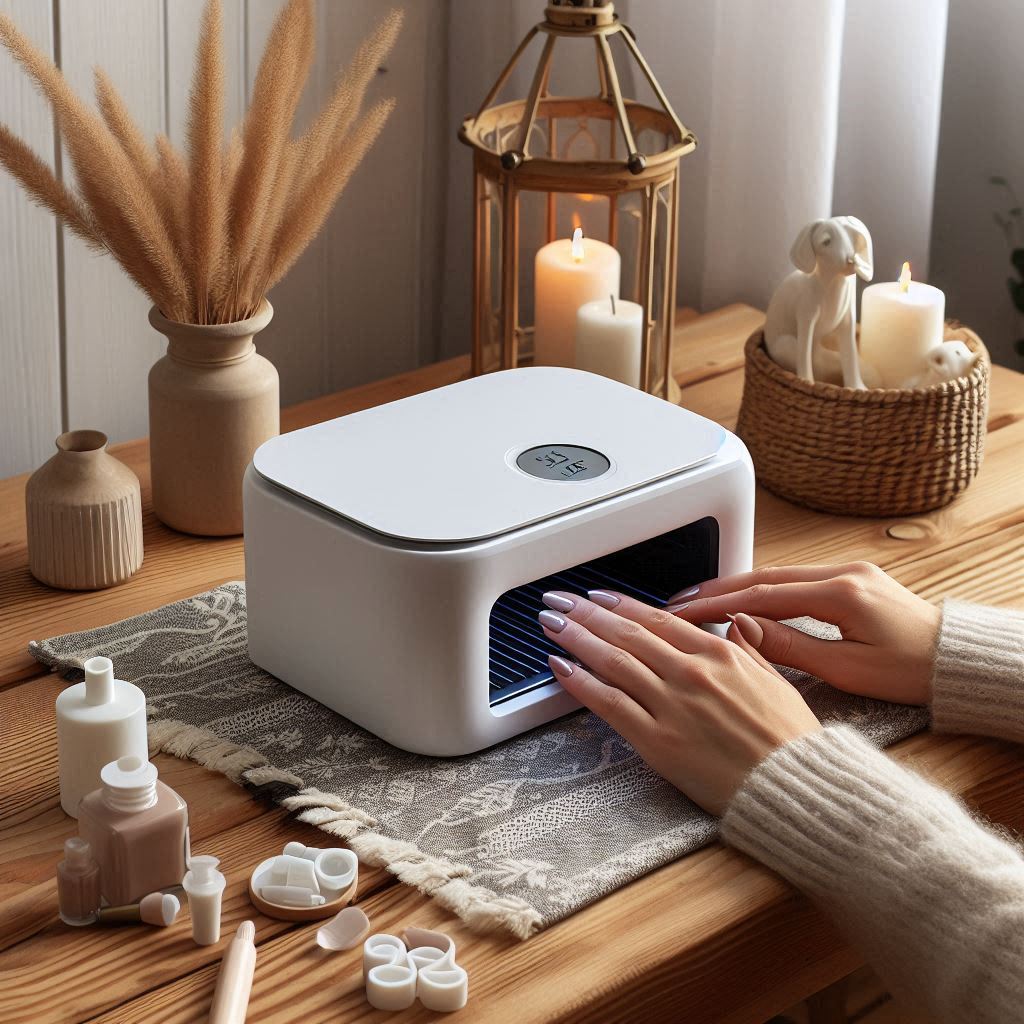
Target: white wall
x,y
983,100
75,345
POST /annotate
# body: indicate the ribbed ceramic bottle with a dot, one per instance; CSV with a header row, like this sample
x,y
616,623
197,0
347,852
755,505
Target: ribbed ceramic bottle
x,y
84,516
212,402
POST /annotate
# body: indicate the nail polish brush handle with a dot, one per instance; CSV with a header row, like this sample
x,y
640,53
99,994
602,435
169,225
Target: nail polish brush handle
x,y
234,983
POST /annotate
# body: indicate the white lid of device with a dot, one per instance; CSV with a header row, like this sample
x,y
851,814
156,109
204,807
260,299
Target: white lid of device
x,y
488,455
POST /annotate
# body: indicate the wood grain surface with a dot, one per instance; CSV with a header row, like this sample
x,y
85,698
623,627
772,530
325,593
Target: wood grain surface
x,y
711,937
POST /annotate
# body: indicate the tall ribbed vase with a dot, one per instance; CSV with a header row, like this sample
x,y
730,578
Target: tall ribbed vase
x,y
212,402
84,516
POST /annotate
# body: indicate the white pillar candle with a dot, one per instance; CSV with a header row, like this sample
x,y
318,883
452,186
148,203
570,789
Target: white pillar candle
x,y
568,273
608,339
900,323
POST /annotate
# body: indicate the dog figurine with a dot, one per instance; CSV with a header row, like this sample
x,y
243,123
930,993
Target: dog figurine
x,y
946,361
811,325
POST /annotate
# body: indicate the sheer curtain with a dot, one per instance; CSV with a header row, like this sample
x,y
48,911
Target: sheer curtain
x,y
803,108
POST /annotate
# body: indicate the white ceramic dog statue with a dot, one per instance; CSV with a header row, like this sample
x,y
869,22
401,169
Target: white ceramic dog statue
x,y
811,326
946,361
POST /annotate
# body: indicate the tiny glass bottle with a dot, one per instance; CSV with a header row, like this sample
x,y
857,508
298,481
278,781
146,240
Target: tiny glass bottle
x,y
78,883
138,829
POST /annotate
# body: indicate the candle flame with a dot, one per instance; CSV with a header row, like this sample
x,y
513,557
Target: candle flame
x,y
577,245
905,278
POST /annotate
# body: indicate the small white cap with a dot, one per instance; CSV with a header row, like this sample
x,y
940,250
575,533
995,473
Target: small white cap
x,y
130,783
202,876
99,681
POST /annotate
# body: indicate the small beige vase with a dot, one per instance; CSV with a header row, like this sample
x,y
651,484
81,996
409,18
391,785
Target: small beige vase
x,y
84,516
212,402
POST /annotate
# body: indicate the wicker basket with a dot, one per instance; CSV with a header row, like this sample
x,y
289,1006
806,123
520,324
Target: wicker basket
x,y
882,452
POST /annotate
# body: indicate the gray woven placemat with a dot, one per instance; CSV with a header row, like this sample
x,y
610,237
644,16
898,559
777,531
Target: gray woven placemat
x,y
515,837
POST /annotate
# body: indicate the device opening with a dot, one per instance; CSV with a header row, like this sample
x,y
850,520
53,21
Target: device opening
x,y
651,571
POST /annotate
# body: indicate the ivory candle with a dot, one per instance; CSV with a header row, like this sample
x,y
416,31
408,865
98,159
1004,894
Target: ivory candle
x,y
900,323
568,273
608,339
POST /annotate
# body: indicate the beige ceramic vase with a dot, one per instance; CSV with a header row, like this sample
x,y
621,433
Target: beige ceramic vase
x,y
212,402
84,516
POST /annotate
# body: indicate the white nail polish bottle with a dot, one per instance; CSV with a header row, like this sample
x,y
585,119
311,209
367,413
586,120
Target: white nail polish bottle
x,y
98,721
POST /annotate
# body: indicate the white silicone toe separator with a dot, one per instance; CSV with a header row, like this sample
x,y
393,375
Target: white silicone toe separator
x,y
425,960
336,870
344,931
443,989
390,976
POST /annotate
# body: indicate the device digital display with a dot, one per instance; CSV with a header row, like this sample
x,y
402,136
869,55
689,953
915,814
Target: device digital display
x,y
563,462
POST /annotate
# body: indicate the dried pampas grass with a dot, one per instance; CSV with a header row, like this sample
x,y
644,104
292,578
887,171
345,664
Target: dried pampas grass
x,y
206,234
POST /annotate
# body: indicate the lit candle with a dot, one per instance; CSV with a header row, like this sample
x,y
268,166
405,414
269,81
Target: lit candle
x,y
900,323
568,273
608,339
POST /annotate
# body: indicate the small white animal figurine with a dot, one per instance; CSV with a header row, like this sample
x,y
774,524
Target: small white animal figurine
x,y
811,326
946,361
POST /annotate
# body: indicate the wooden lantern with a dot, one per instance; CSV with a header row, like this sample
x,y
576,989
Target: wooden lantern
x,y
549,163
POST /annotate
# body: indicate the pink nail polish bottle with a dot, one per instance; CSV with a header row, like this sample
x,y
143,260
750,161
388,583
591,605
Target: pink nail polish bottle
x,y
138,830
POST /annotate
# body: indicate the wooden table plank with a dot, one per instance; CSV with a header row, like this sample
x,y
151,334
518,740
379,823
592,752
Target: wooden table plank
x,y
709,937
722,916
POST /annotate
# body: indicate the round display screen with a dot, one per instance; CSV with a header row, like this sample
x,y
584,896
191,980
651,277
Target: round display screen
x,y
563,462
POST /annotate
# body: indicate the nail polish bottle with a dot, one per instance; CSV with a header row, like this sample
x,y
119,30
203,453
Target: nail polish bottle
x,y
98,721
78,883
138,830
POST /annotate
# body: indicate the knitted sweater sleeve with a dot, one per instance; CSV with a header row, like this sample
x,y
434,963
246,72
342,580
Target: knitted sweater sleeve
x,y
933,898
978,681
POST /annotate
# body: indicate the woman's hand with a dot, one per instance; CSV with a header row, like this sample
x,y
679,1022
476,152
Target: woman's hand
x,y
700,710
889,634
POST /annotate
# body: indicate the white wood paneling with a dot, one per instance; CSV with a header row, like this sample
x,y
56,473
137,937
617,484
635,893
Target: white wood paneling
x,y
384,237
364,300
359,303
30,397
110,345
296,340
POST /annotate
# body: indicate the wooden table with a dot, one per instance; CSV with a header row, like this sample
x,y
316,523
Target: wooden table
x,y
712,937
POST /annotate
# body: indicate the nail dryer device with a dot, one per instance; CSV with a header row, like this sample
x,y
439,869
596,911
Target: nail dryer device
x,y
395,558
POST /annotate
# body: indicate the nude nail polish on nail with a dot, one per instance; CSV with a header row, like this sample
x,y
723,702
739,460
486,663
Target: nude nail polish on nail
x,y
673,608
689,592
552,621
603,598
560,666
558,602
750,629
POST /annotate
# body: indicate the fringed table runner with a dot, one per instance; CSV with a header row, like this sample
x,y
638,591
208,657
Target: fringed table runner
x,y
515,837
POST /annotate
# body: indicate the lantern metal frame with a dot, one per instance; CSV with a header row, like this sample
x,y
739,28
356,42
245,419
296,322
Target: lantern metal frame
x,y
504,167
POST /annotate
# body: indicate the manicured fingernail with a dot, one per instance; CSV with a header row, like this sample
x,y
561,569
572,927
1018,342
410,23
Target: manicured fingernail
x,y
604,598
673,608
549,620
750,629
689,592
560,666
558,602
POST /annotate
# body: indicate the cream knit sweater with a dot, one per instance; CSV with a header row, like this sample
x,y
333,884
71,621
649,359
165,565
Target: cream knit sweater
x,y
931,896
